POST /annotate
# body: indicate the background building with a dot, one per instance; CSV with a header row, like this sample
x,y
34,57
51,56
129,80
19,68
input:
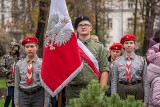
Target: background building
x,y
5,14
120,19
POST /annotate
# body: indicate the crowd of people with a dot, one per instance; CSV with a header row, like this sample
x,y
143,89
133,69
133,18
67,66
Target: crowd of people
x,y
123,71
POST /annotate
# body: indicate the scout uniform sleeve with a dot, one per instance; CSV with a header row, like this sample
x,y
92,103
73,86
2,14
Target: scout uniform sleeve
x,y
103,63
46,94
145,83
114,78
46,97
16,88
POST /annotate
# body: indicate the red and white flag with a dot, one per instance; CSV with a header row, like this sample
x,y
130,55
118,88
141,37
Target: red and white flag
x,y
61,57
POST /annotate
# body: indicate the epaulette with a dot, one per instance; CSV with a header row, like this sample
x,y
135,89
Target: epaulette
x,y
20,60
143,59
97,41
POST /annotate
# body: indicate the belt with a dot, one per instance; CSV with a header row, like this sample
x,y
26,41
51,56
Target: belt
x,y
31,91
79,85
130,83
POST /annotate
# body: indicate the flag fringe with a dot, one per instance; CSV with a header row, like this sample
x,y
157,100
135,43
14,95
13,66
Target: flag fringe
x,y
53,94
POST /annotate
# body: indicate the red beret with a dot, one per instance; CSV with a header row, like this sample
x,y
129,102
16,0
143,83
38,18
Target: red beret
x,y
30,39
116,46
128,37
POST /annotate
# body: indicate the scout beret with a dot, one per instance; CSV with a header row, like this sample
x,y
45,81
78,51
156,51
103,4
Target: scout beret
x,y
79,19
30,39
116,46
128,37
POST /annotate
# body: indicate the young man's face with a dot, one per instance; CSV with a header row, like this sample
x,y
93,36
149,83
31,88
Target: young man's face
x,y
129,46
115,53
31,49
84,28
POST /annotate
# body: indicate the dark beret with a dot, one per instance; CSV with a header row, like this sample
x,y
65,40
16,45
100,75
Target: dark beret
x,y
79,19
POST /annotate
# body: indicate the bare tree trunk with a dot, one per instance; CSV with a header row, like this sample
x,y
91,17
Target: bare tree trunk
x,y
135,19
41,25
96,18
149,22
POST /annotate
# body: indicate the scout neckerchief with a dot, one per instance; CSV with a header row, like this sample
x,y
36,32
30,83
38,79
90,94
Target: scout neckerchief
x,y
128,66
13,67
29,72
89,58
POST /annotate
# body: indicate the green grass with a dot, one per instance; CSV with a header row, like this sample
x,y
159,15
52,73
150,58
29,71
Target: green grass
x,y
2,103
2,84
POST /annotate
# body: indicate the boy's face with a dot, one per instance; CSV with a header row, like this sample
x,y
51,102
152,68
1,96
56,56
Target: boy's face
x,y
115,53
84,28
129,46
31,49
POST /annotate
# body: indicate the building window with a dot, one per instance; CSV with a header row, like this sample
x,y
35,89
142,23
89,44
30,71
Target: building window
x,y
130,20
130,3
110,23
110,3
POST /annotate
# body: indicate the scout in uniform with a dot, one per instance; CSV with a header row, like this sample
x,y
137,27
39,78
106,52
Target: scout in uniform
x,y
115,52
28,89
83,26
7,65
129,72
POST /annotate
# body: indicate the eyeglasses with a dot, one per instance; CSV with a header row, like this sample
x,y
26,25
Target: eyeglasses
x,y
85,26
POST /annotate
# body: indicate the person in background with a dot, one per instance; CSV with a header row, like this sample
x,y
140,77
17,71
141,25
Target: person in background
x,y
153,70
7,65
95,38
115,52
129,72
83,26
28,90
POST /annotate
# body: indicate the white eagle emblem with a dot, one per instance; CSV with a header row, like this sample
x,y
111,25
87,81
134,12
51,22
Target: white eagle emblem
x,y
57,33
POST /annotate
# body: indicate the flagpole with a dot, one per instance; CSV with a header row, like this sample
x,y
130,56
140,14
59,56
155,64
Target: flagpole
x,y
60,99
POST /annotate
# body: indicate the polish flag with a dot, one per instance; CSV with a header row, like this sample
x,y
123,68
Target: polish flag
x,y
61,57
